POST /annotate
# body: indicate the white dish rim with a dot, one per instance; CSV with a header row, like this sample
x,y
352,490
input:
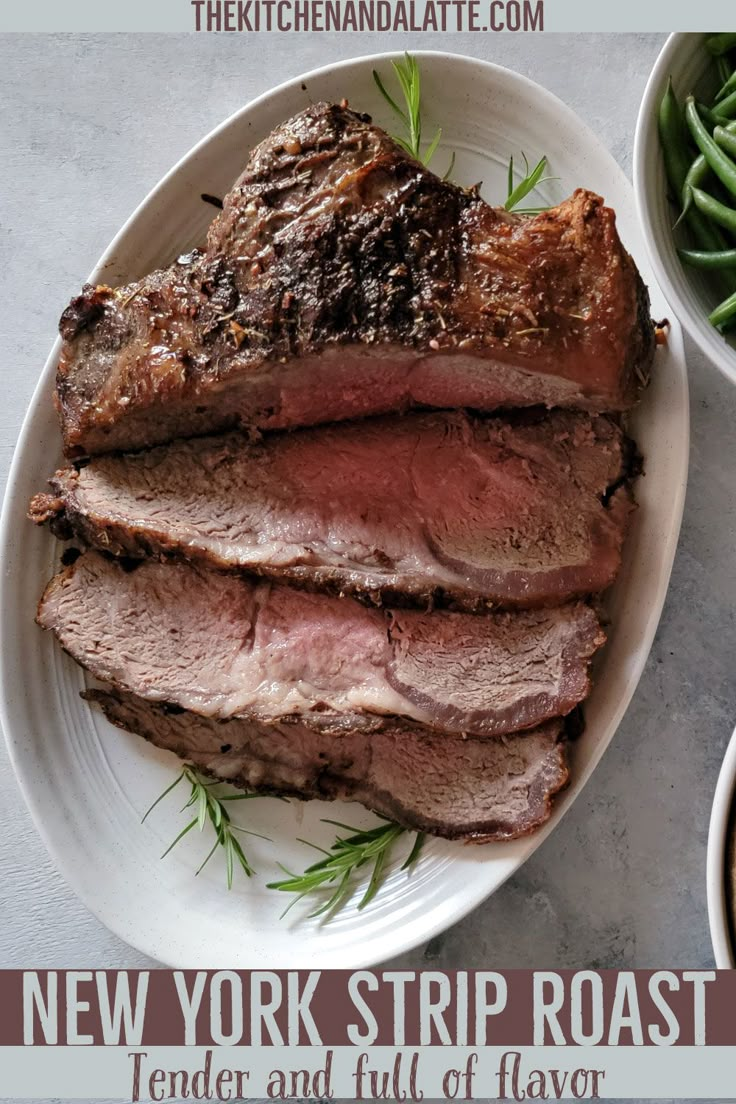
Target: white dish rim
x,y
705,336
718,839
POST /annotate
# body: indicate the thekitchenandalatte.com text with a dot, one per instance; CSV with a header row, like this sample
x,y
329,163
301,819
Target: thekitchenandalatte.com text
x,y
368,15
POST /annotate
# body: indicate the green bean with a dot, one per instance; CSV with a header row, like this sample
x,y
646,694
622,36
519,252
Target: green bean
x,y
672,138
714,209
725,312
710,239
705,233
698,172
726,138
727,107
697,175
725,258
723,69
705,214
721,44
709,115
672,135
721,163
729,86
730,128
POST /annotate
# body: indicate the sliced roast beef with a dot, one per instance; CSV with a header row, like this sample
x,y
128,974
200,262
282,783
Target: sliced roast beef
x,y
479,790
343,278
428,507
226,646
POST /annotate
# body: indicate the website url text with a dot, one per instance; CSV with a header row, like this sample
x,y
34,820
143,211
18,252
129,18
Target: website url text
x,y
368,15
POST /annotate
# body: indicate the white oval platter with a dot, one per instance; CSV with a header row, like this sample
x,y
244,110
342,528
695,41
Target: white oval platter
x,y
88,785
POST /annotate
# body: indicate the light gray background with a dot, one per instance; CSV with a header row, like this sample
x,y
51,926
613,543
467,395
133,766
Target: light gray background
x,y
89,124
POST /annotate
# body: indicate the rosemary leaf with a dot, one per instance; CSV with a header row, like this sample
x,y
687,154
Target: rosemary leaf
x,y
181,835
227,843
375,881
526,185
432,147
203,806
210,808
416,850
160,797
215,845
408,77
389,99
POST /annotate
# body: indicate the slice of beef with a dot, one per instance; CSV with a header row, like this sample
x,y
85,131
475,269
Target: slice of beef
x,y
478,790
429,507
226,646
343,278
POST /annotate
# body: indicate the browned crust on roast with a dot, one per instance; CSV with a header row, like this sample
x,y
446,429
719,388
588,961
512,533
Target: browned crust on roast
x,y
334,239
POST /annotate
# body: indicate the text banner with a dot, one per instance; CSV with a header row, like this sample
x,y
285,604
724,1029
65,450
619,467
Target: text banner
x,y
392,1034
316,16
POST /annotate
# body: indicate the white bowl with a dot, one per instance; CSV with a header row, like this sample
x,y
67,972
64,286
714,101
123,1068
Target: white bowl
x,y
719,909
686,60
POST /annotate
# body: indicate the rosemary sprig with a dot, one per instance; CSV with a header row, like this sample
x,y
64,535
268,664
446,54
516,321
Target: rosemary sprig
x,y
407,73
347,855
210,808
532,177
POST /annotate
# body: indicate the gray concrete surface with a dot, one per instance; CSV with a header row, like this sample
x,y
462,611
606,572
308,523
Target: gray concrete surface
x,y
89,124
